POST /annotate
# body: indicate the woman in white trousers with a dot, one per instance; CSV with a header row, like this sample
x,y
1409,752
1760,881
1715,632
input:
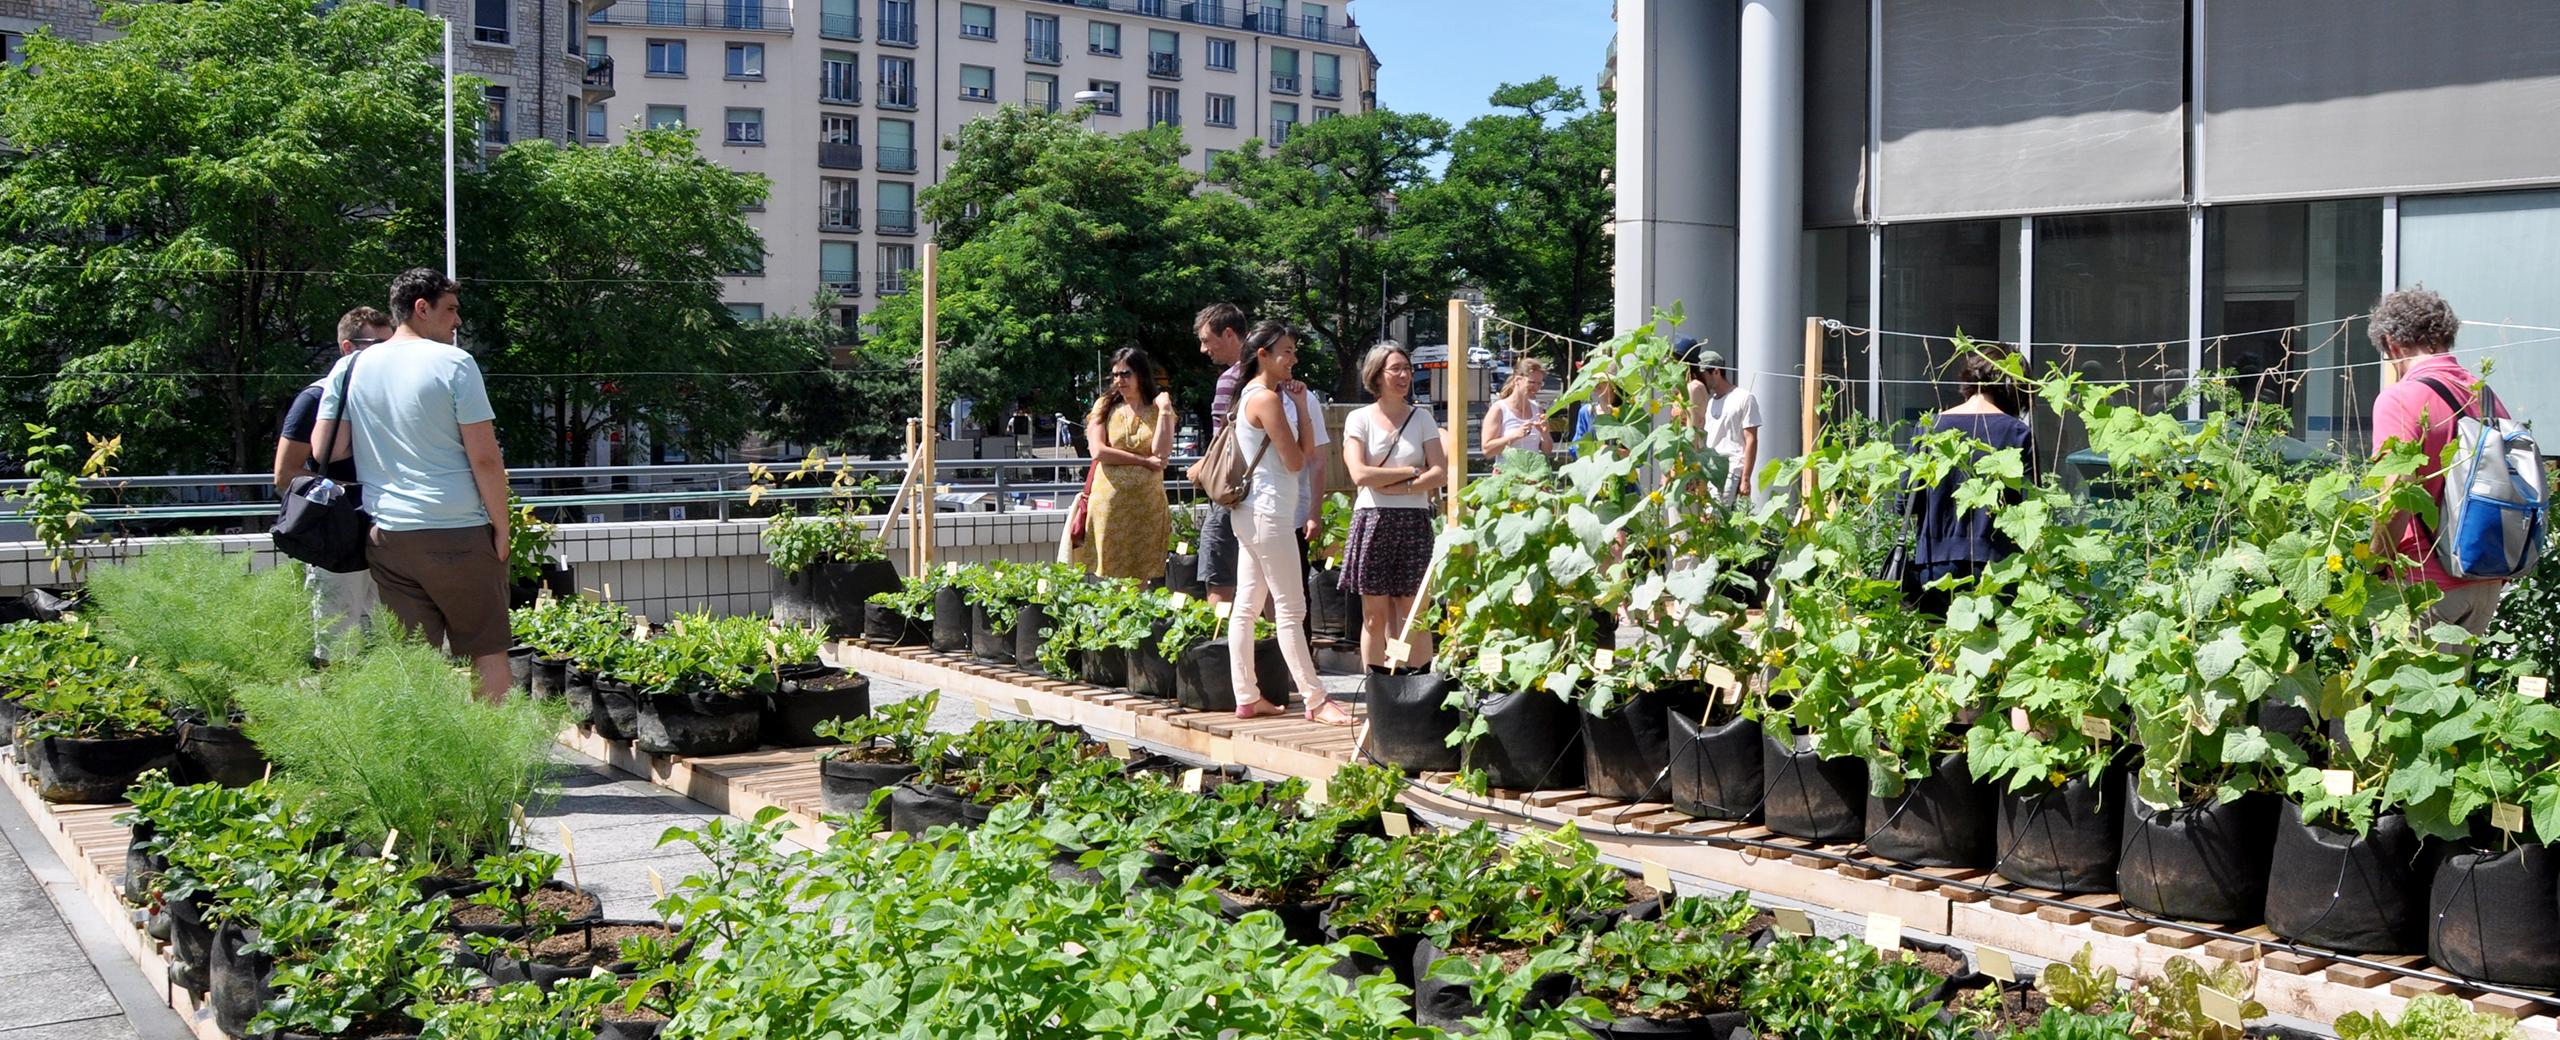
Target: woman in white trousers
x,y
1266,524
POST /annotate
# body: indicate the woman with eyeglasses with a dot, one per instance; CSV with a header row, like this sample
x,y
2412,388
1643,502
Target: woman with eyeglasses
x,y
1276,433
1130,430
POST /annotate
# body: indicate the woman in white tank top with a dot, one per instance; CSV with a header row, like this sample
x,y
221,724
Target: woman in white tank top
x,y
1512,421
1267,559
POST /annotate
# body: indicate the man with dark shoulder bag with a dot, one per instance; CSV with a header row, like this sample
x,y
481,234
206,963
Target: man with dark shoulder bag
x,y
341,602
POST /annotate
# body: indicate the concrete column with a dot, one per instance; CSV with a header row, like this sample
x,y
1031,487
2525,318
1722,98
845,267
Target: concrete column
x,y
1768,299
1675,227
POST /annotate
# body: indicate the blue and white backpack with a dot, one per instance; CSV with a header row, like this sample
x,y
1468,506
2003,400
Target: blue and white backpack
x,y
2490,516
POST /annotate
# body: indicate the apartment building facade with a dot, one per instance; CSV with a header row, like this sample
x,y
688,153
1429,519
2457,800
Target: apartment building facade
x,y
531,53
843,104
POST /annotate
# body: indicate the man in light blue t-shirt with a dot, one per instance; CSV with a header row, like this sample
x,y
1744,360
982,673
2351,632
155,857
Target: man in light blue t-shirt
x,y
426,450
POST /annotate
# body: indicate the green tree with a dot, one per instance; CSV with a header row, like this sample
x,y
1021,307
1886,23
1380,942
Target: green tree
x,y
1060,245
1338,253
594,301
859,404
1525,206
194,202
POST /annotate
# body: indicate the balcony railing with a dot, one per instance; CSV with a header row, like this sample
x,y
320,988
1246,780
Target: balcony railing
x,y
692,14
1284,84
840,155
840,26
1164,66
1233,14
845,283
897,160
900,33
599,74
1280,132
839,90
977,32
1328,86
893,283
897,222
977,93
898,95
839,218
1044,52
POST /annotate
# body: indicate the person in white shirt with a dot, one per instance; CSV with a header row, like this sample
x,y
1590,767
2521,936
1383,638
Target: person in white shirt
x,y
1727,412
1513,421
1392,449
1268,557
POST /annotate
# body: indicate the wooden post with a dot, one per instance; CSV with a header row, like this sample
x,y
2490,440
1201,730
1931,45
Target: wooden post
x,y
930,500
1461,373
907,502
1812,396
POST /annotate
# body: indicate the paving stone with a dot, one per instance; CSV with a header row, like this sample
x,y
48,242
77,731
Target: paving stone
x,y
64,994
112,1027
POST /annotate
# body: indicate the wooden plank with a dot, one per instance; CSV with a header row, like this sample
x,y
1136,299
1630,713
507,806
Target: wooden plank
x,y
2291,962
2009,904
2415,986
1587,805
1659,823
1543,799
1857,870
2119,926
2063,914
2358,975
2236,950
1706,828
2175,938
2505,1006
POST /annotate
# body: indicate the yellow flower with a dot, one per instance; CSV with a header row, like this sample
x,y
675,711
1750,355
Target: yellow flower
x,y
2339,641
2363,552
2337,563
1777,658
2059,778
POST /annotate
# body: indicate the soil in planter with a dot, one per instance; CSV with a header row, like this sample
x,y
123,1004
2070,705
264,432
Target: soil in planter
x,y
2495,916
1715,767
1626,755
576,904
1409,723
1530,743
2019,1008
385,1029
1944,819
576,951
1807,796
2197,862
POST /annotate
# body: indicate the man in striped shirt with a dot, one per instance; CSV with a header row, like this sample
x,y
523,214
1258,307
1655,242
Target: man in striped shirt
x,y
1221,327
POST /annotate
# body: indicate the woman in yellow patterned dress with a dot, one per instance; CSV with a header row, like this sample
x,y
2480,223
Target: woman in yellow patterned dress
x,y
1127,525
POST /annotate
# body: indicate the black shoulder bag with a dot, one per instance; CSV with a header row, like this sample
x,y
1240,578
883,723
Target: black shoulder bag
x,y
324,522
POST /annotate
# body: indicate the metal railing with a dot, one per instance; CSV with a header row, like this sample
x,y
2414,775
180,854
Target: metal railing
x,y
898,95
840,26
1328,87
845,283
1164,66
893,283
840,155
900,33
897,222
1042,51
1284,84
1233,15
839,218
839,89
1280,132
724,14
977,32
898,160
599,73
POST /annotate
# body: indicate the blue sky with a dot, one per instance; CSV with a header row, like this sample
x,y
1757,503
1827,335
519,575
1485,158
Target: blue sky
x,y
1444,56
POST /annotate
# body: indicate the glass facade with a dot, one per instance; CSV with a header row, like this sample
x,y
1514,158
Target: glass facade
x,y
2271,267
1941,278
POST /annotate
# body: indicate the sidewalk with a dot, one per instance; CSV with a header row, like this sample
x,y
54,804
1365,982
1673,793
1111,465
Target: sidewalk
x,y
62,975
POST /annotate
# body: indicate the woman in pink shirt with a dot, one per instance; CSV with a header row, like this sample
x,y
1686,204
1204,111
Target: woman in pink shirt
x,y
2415,330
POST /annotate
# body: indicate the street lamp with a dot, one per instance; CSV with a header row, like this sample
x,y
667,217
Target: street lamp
x,y
1089,100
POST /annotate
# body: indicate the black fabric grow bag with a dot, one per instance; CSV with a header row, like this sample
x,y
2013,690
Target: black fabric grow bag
x,y
1410,722
506,967
1330,612
845,785
10,712
1107,667
94,772
915,808
1399,950
2062,838
1150,675
2495,916
1202,681
190,942
950,621
1715,769
794,713
1182,574
218,755
141,865
832,595
561,580
985,643
2198,862
237,979
1446,1005
1717,1025
696,726
1530,741
611,1028
520,667
1303,923
1944,819
1626,754
1030,629
547,677
883,626
617,711
1808,796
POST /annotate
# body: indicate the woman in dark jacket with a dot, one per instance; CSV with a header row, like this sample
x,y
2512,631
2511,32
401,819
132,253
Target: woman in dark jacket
x,y
1949,540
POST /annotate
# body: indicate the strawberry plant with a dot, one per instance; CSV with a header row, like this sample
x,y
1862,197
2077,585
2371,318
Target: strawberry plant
x,y
1842,990
1466,888
1694,960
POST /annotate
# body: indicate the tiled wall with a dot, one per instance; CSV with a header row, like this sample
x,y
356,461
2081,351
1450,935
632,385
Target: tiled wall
x,y
658,568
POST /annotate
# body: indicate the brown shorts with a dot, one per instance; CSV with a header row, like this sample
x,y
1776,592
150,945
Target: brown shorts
x,y
447,585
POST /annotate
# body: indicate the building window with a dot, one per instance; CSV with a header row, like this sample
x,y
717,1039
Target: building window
x,y
746,61
489,20
745,14
897,146
493,132
897,208
1209,164
1311,20
1040,91
746,126
746,312
574,39
1164,54
1040,38
839,205
1222,54
577,118
1284,70
898,83
839,77
1328,77
1222,110
1103,38
839,143
977,22
898,22
1284,117
666,57
2287,264
840,19
839,268
596,121
977,83
13,48
1110,106
1164,106
664,116
1323,113
896,259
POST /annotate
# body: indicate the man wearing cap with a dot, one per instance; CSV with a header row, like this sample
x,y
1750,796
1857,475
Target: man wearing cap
x,y
1728,414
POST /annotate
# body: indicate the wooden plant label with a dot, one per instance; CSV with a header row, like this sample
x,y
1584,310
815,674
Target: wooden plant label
x,y
1319,792
1491,658
1884,931
1182,549
676,626
640,627
1191,780
1397,824
984,712
1044,588
1656,876
1022,707
1792,921
1604,659
1181,600
657,885
608,592
2096,727
390,840
2338,782
1399,652
950,566
2507,816
1119,748
2219,1006
2534,686
1071,948
1224,609
1995,964
2019,721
